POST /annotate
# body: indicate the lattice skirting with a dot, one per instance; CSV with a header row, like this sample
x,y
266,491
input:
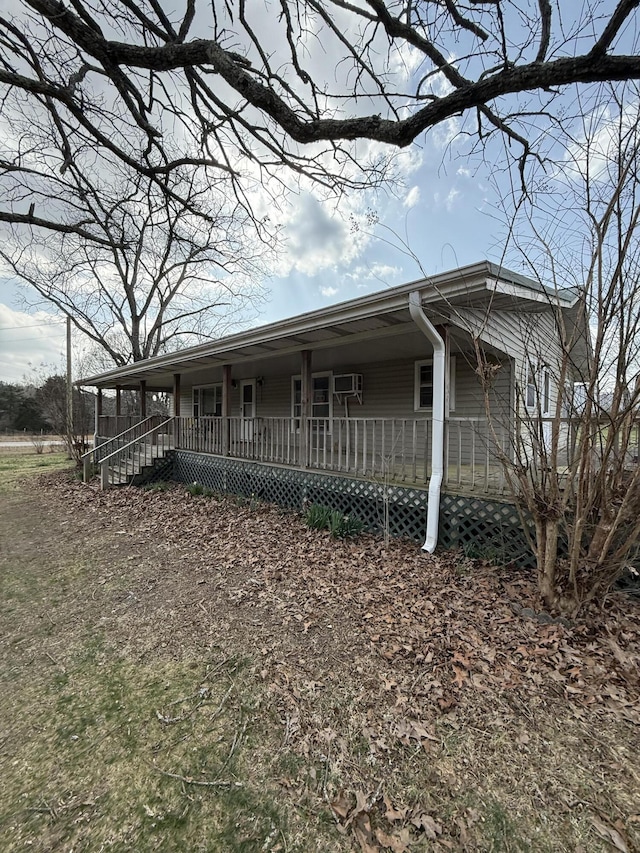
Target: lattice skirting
x,y
479,526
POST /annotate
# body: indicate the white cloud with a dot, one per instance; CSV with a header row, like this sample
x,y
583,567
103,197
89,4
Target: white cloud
x,y
364,276
412,197
452,195
448,201
597,151
464,172
329,291
29,342
318,238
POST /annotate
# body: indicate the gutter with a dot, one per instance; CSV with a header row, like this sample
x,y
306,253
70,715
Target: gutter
x,y
437,435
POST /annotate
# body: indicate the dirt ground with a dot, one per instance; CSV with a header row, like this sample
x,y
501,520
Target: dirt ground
x,y
206,673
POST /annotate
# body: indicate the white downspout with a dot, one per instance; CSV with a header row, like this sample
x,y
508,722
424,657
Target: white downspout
x,y
437,435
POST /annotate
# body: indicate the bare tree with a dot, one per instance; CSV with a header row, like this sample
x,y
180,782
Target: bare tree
x,y
573,467
295,82
144,272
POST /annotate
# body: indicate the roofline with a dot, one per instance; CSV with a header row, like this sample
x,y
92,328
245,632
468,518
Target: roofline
x,y
361,307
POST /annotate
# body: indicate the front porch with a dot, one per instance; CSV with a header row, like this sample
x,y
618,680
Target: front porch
x,y
381,450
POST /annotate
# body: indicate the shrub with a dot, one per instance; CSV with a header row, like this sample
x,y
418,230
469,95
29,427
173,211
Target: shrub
x,y
317,517
344,526
195,489
159,486
340,526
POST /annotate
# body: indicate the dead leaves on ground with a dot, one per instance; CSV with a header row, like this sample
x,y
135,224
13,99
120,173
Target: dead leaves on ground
x,y
420,634
450,625
376,824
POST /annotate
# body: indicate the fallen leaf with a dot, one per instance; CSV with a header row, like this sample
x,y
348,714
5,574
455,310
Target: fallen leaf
x,y
428,824
363,834
341,805
392,813
398,843
608,833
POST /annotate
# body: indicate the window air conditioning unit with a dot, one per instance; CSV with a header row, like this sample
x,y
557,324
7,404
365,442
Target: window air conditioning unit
x,y
349,384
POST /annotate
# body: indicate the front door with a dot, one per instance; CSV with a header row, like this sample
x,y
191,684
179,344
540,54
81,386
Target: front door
x,y
247,407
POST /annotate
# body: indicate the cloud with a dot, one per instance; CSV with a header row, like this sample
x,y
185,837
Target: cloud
x,y
448,201
329,291
29,342
317,238
412,197
374,273
596,154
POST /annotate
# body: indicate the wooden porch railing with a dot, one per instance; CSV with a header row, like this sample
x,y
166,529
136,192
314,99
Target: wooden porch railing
x,y
384,449
128,459
110,426
110,445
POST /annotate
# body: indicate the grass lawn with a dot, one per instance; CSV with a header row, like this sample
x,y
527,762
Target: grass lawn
x,y
185,673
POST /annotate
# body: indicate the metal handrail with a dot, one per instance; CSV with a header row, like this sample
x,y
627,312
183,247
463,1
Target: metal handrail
x,y
86,457
125,449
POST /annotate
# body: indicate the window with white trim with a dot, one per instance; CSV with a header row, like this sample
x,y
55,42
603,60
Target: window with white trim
x,y
423,385
537,394
207,401
321,400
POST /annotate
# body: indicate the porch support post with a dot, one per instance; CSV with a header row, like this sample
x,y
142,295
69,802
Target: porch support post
x,y
143,399
176,409
176,395
226,409
90,460
118,401
306,410
98,412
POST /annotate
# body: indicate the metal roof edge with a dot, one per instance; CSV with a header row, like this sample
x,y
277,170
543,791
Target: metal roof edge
x,y
472,275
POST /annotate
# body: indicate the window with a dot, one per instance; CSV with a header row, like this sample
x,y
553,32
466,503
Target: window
x,y
538,390
321,403
207,401
423,385
546,393
530,392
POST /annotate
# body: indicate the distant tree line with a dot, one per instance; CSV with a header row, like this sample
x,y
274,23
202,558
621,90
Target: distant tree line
x,y
41,407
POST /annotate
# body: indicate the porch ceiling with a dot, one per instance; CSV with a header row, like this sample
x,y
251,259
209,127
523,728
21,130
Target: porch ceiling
x,y
342,335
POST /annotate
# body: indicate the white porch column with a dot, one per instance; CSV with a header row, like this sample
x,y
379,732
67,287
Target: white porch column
x,y
306,386
98,412
226,409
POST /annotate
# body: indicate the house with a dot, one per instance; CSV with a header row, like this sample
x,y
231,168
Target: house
x,y
372,406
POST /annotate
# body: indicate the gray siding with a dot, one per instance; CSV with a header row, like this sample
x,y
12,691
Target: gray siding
x,y
388,392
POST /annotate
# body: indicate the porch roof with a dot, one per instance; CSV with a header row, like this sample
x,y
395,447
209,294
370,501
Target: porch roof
x,y
372,316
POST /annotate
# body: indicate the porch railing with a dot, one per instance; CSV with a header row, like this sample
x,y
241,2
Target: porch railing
x,y
110,426
382,449
101,450
385,449
129,459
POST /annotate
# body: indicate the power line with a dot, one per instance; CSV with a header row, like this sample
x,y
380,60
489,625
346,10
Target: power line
x,y
22,340
30,326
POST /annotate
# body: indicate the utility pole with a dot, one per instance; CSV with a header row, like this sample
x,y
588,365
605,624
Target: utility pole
x,y
69,394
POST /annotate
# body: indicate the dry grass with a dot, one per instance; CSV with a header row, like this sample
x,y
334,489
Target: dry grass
x,y
171,683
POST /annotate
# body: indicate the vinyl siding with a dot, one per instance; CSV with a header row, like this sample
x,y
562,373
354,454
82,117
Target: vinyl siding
x,y
388,392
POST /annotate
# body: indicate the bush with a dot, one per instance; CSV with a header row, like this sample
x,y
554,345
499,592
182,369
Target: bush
x,y
195,489
340,526
317,517
158,486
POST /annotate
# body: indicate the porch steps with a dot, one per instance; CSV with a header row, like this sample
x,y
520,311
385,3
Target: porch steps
x,y
138,463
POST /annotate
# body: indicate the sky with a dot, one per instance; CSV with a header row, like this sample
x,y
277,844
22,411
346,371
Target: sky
x,y
444,213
